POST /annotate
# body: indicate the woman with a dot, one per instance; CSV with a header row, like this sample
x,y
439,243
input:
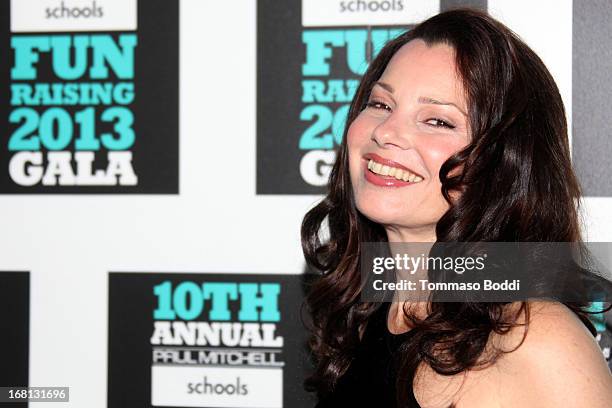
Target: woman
x,y
457,132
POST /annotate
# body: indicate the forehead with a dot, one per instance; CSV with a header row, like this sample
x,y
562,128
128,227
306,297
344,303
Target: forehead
x,y
418,69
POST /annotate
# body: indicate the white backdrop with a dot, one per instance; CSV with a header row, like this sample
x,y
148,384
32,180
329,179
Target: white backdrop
x,y
217,223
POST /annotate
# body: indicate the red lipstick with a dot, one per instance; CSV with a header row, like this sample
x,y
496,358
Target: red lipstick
x,y
385,181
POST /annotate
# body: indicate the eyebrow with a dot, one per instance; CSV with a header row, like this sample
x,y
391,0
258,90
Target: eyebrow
x,y
428,100
421,99
384,86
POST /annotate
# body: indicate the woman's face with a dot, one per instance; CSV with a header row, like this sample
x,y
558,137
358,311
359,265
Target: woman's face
x,y
415,119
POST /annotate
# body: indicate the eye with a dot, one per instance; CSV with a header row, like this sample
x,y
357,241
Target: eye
x,y
439,123
377,105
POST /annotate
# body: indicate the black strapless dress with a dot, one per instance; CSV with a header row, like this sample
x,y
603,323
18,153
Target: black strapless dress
x,y
370,379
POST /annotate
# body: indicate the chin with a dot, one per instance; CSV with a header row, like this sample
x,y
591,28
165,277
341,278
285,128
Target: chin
x,y
384,213
396,214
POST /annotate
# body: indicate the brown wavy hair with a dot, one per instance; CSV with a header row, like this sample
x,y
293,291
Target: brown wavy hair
x,y
517,184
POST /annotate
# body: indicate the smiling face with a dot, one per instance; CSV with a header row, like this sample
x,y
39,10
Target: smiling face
x,y
415,119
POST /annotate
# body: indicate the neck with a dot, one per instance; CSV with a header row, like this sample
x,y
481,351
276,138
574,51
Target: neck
x,y
416,241
426,233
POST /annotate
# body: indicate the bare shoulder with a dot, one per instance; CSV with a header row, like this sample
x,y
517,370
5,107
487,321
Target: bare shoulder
x,y
554,361
557,363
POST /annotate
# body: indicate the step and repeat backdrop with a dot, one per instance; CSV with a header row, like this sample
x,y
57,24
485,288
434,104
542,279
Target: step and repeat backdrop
x,y
157,157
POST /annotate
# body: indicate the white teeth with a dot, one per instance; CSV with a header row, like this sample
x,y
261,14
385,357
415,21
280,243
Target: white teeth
x,y
385,170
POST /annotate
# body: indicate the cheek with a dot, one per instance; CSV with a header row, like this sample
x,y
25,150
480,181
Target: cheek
x,y
357,138
359,132
436,152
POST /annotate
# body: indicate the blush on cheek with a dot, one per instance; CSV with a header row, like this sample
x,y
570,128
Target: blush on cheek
x,y
360,130
351,137
357,138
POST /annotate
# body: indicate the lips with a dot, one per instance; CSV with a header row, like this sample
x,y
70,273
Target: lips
x,y
385,172
390,163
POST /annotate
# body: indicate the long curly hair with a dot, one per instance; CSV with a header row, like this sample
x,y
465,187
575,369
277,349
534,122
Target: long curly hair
x,y
517,184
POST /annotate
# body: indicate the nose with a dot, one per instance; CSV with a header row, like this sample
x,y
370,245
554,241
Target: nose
x,y
390,134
